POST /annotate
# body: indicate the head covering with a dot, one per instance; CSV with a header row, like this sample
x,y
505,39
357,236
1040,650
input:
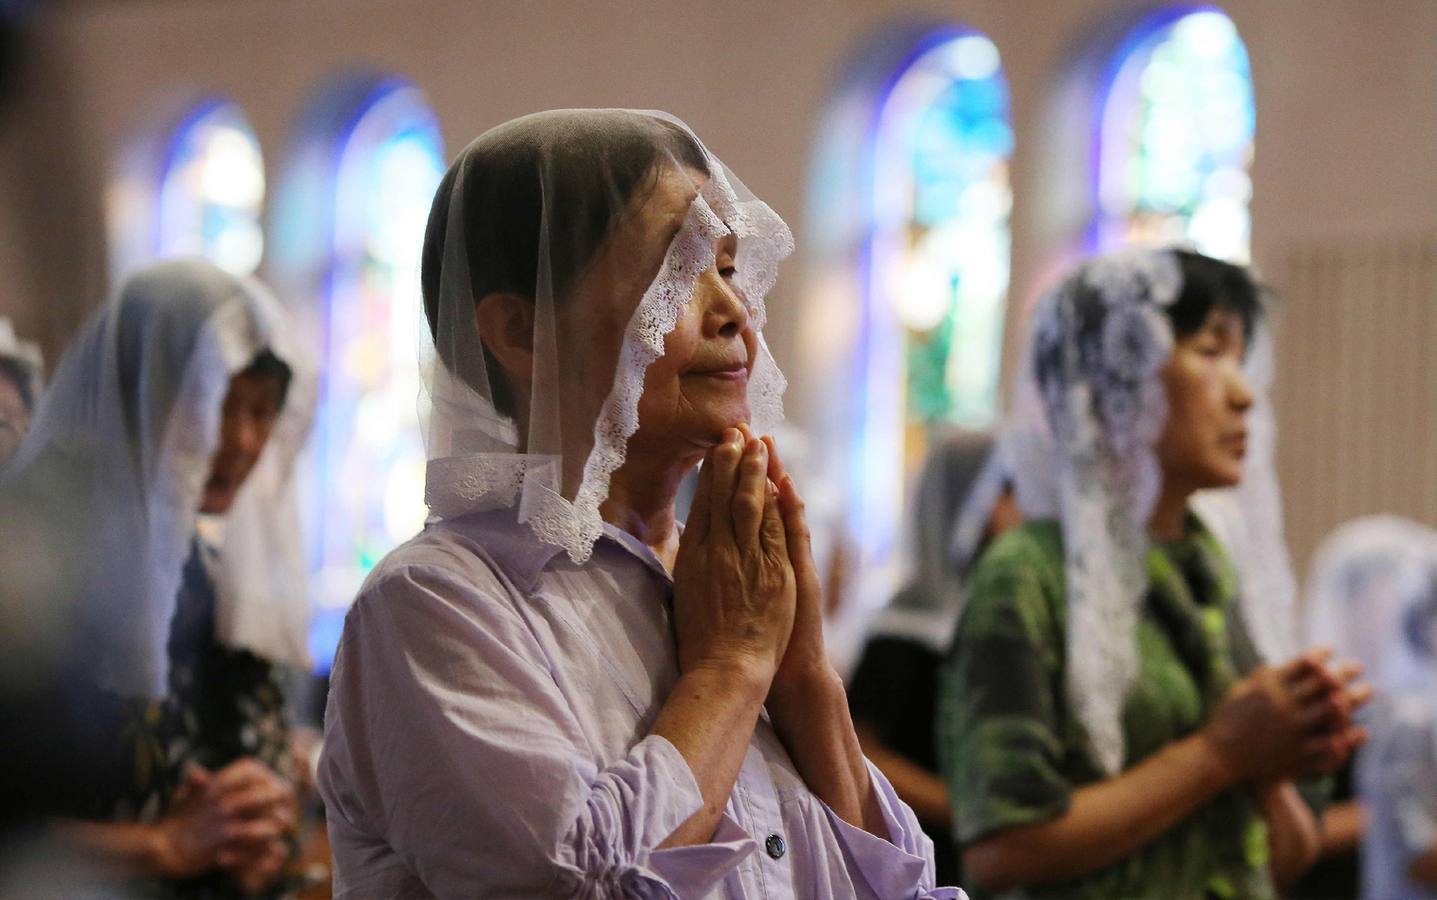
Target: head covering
x,y
975,514
559,208
925,609
1355,589
1389,602
1409,665
131,424
1081,447
24,356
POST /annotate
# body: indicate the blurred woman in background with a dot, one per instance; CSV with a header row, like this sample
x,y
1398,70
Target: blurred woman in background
x,y
1098,734
1353,606
181,399
1397,770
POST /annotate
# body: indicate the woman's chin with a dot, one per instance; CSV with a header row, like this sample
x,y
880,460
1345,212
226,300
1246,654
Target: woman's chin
x,y
1224,476
721,417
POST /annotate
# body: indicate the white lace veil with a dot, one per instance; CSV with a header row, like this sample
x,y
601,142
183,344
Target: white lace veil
x,y
1409,665
128,428
1355,590
1080,447
545,207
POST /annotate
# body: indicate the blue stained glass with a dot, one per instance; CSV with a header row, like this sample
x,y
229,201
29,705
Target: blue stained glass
x,y
1176,138
368,451
942,149
211,190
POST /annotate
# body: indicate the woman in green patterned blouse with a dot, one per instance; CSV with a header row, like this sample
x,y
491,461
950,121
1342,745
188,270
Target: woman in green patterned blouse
x,y
1106,724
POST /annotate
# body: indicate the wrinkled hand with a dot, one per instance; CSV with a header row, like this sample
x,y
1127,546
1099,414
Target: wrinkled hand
x,y
1292,721
805,661
733,583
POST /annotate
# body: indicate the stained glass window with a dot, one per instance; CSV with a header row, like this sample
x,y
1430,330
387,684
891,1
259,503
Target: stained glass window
x,y
943,197
1176,138
368,449
212,190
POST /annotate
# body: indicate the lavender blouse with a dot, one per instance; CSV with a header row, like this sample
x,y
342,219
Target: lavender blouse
x,y
487,736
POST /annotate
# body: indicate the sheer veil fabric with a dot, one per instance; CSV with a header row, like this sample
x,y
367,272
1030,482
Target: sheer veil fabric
x,y
1362,576
602,303
127,432
1079,445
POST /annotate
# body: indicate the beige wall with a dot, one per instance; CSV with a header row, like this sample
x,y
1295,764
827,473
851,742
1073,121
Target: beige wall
x,y
1347,140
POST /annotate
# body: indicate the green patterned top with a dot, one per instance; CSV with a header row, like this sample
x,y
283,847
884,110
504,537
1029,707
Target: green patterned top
x,y
1013,751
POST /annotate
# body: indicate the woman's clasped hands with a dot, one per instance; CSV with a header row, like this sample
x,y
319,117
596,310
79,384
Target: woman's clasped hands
x,y
235,819
1291,721
746,592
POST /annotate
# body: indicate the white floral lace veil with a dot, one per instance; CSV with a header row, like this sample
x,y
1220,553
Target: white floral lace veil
x,y
1355,592
1079,445
529,208
127,431
1409,666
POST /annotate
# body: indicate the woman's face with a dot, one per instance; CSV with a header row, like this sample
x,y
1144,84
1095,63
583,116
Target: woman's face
x,y
1205,437
699,387
250,410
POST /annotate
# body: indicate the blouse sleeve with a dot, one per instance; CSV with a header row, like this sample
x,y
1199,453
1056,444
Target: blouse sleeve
x,y
998,707
901,866
447,736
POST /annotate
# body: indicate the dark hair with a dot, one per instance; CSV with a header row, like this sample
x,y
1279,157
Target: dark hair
x,y
565,172
1210,284
24,379
267,365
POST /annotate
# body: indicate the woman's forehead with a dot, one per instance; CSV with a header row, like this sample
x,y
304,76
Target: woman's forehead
x,y
665,209
644,233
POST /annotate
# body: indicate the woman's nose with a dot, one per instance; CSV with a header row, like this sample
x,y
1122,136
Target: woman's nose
x,y
1239,393
725,314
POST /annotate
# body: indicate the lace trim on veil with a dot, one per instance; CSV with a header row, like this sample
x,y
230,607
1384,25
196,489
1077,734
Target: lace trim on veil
x,y
457,485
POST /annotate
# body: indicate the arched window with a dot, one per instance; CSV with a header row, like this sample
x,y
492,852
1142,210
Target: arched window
x,y
941,238
909,247
384,161
211,190
1175,137
190,182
